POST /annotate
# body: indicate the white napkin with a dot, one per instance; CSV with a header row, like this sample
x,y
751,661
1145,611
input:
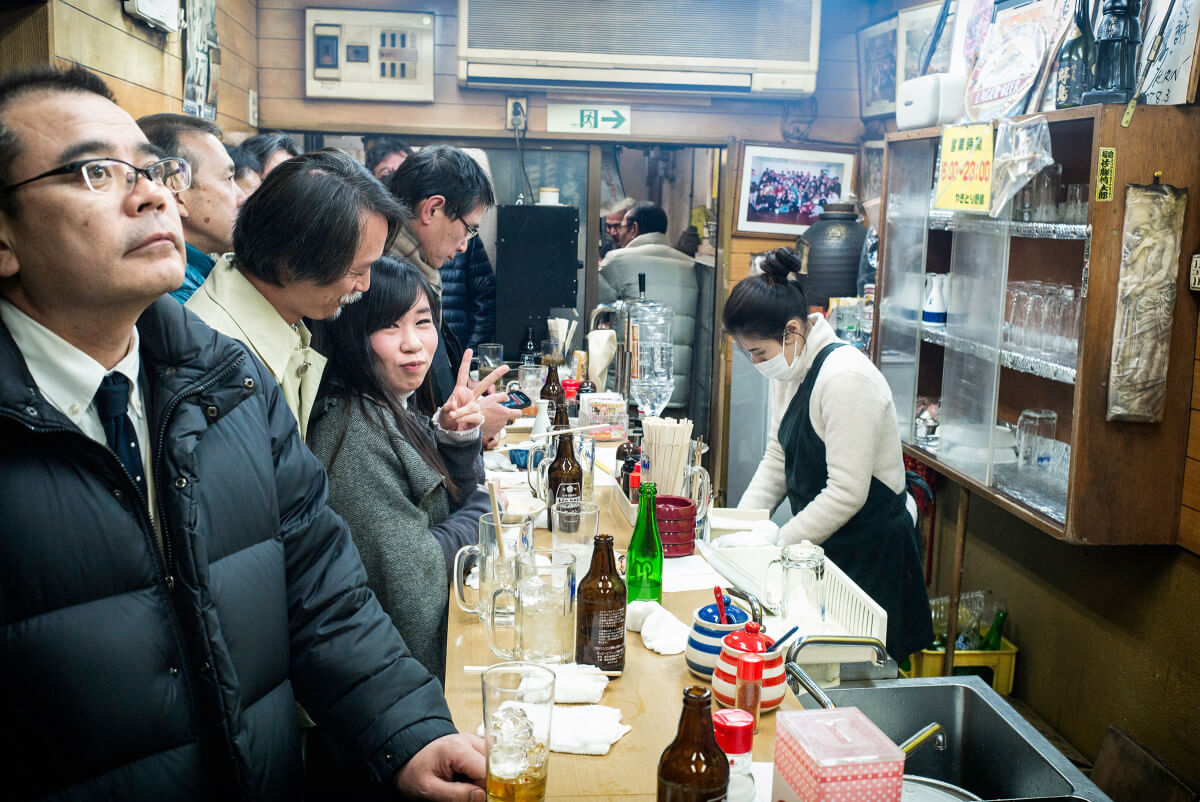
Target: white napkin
x,y
498,461
760,533
602,344
586,729
575,684
661,631
579,729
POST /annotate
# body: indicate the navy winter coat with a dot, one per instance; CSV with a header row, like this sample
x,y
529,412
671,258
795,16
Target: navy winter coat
x,y
130,674
469,296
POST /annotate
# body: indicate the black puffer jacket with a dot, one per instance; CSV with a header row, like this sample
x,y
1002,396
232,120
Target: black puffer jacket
x,y
469,296
127,676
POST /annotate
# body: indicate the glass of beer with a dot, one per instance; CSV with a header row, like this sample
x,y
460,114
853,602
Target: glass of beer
x,y
491,356
518,699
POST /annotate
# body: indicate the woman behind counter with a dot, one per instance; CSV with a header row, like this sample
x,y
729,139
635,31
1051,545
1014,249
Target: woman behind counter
x,y
405,478
833,448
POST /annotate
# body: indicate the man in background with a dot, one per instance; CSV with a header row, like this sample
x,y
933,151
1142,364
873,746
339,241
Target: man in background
x,y
166,598
303,247
613,217
670,280
247,170
271,150
209,206
385,156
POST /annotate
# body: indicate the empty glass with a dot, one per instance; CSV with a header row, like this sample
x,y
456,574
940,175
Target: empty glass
x,y
531,378
491,356
494,564
1077,204
574,527
1045,194
801,583
1035,438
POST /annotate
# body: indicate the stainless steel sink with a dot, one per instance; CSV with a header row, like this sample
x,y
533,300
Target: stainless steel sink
x,y
990,749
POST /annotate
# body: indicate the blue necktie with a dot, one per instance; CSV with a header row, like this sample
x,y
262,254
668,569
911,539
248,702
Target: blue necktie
x,y
112,401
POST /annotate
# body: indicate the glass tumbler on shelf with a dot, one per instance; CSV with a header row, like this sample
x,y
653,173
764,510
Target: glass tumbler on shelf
x,y
518,700
1035,438
651,380
1077,204
1045,194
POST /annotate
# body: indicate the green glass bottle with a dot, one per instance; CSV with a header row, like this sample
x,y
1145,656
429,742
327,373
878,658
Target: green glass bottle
x,y
644,560
992,641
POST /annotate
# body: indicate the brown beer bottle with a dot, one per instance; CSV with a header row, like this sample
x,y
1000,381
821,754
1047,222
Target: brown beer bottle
x,y
552,390
565,477
693,768
600,611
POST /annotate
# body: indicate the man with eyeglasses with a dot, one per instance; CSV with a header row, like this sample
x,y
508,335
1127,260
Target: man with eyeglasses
x,y
171,578
210,205
447,192
613,217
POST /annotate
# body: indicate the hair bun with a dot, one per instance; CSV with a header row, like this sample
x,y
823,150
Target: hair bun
x,y
780,263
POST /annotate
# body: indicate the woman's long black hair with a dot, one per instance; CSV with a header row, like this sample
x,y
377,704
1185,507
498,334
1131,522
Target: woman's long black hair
x,y
761,305
353,373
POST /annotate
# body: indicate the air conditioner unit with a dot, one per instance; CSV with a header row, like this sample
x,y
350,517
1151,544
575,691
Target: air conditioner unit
x,y
748,48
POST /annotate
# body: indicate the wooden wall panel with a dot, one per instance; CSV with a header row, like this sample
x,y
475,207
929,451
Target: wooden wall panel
x,y
24,37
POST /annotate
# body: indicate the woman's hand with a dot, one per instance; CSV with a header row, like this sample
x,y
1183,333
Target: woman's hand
x,y
461,410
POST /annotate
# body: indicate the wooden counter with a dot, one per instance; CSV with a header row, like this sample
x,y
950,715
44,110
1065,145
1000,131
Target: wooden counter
x,y
649,697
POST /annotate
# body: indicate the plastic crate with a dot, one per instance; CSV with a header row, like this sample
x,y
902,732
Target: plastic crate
x,y
999,664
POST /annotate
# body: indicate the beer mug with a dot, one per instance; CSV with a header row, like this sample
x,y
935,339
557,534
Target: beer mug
x,y
802,577
543,590
494,570
697,485
537,469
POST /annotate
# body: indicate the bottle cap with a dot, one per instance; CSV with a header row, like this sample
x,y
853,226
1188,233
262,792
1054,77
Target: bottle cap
x,y
570,388
750,667
734,729
635,476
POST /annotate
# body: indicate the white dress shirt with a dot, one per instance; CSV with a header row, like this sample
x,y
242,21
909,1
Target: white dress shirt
x,y
69,379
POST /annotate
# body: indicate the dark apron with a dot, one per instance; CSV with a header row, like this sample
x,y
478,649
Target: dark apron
x,y
877,547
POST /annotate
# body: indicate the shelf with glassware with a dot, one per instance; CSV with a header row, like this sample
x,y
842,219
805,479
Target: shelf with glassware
x,y
1022,419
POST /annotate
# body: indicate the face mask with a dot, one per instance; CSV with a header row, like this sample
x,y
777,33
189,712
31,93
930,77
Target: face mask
x,y
777,367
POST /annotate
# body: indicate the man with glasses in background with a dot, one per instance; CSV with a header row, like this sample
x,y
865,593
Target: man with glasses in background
x,y
447,193
209,206
614,216
171,578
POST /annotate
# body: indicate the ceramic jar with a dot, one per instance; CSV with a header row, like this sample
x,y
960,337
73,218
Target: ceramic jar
x,y
836,241
707,635
735,644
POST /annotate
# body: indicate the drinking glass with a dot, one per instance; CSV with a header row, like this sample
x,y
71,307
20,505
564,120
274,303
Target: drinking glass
x,y
537,468
1014,315
574,527
802,579
543,592
532,377
518,700
1035,438
551,352
494,567
491,356
1045,194
1077,203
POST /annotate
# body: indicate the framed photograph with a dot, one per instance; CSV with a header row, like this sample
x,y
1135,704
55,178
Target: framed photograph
x,y
782,190
972,18
870,170
913,27
877,69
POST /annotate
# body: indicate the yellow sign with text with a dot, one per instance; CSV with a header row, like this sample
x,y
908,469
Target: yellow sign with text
x,y
964,181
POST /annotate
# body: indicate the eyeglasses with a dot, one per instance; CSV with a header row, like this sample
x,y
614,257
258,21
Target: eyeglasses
x,y
611,227
472,231
112,175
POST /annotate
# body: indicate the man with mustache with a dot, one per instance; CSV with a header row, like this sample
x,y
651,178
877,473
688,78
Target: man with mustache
x,y
172,580
303,246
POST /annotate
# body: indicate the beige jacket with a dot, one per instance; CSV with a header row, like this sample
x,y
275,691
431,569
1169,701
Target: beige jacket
x,y
406,246
229,303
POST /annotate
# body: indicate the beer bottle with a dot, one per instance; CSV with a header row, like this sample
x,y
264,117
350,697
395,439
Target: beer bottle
x,y
566,474
644,560
600,611
552,390
693,768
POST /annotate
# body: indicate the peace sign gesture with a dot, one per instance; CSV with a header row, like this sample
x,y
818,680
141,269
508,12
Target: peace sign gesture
x,y
462,410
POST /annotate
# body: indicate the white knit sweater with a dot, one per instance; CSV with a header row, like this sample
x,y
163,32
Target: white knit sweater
x,y
852,412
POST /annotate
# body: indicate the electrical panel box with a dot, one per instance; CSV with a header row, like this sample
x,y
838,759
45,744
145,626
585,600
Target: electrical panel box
x,y
368,55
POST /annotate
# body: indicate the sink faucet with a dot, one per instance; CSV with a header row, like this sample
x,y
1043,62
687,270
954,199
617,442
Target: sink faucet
x,y
797,679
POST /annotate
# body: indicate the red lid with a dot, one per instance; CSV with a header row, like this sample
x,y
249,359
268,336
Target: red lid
x,y
635,476
570,387
734,730
749,666
749,640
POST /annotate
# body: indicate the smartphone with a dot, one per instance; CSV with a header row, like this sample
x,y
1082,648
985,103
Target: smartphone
x,y
516,400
